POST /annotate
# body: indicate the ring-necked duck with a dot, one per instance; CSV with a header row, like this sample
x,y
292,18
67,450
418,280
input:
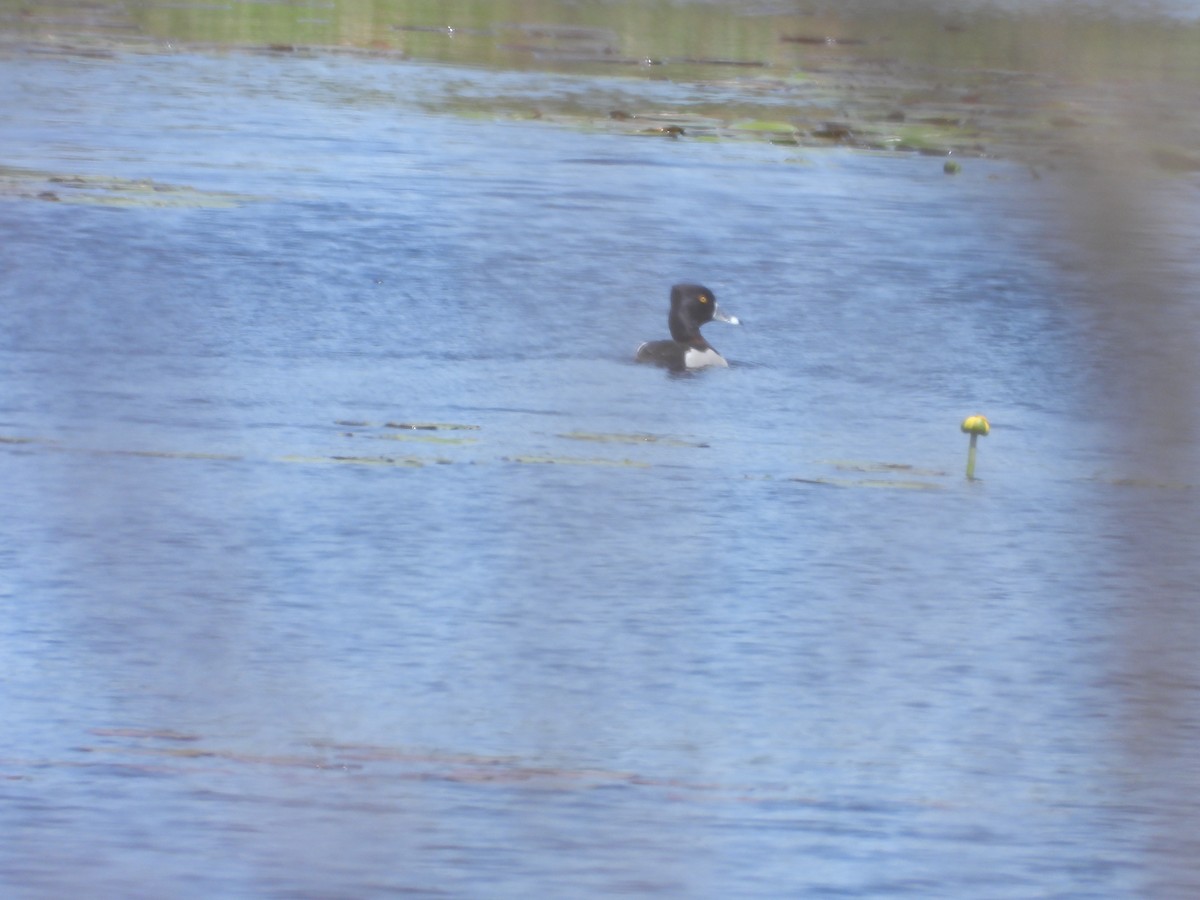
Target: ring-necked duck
x,y
692,305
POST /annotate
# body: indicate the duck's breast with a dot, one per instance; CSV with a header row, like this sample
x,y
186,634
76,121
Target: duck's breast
x,y
699,359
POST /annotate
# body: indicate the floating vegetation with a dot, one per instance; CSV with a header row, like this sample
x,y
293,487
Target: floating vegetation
x,y
660,440
427,439
935,136
834,131
662,124
817,40
908,483
431,426
160,734
1150,483
576,461
403,462
899,485
447,30
870,474
672,131
105,190
993,85
105,451
719,61
172,454
413,431
871,483
766,125
849,465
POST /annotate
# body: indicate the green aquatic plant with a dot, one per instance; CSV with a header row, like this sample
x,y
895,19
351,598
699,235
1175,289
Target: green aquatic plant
x,y
427,439
850,465
403,462
905,77
618,438
868,467
876,483
173,454
766,125
576,461
419,432
107,190
431,426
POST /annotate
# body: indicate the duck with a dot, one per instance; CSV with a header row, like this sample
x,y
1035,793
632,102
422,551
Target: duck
x,y
692,305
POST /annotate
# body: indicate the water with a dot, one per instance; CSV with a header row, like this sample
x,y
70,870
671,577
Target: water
x,y
258,643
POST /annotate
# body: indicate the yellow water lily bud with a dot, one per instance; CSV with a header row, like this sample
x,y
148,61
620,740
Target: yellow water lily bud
x,y
976,425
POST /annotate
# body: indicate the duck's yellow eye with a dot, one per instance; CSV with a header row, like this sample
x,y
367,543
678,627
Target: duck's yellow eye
x,y
703,298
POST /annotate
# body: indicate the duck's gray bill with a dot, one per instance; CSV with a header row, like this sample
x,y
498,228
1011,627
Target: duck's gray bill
x,y
721,316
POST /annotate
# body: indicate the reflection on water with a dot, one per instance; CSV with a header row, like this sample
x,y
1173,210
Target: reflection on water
x,y
746,633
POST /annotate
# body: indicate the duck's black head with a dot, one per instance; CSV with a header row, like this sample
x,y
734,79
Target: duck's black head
x,y
693,305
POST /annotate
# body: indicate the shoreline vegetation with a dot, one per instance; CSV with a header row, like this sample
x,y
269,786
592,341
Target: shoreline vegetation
x,y
1035,87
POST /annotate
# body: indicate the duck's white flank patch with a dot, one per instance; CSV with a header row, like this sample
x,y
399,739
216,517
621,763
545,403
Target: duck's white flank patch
x,y
698,359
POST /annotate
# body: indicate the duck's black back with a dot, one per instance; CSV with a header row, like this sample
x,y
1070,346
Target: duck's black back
x,y
671,354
